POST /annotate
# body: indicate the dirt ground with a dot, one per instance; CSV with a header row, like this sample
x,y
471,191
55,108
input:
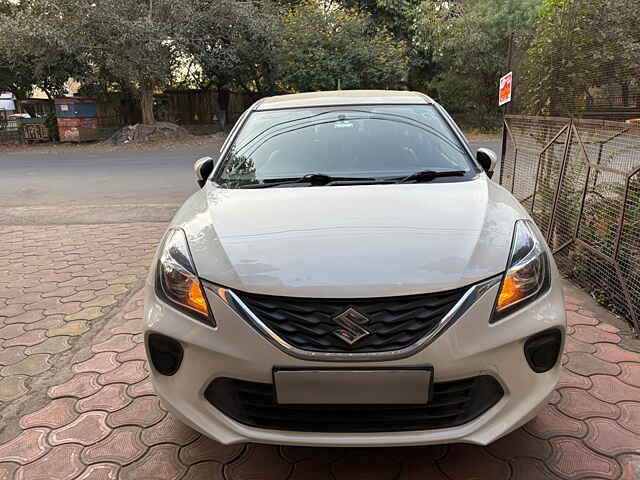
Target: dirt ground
x,y
214,140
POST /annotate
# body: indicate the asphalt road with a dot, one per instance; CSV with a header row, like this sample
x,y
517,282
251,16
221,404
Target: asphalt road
x,y
96,187
108,187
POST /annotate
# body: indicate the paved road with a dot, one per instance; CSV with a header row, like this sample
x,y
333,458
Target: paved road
x,y
111,187
96,187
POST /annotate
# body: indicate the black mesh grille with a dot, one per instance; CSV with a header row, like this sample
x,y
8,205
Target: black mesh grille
x,y
452,404
394,322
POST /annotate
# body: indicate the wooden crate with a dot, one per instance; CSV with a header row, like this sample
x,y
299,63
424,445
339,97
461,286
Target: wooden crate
x,y
35,132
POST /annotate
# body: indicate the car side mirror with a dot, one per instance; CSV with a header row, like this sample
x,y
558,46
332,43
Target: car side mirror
x,y
488,159
203,168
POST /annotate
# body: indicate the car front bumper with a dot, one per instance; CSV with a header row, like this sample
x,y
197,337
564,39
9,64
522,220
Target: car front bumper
x,y
470,347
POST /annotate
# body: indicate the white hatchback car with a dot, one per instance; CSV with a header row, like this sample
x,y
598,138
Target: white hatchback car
x,y
349,275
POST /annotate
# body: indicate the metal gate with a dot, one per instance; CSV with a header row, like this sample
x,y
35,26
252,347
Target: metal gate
x,y
580,181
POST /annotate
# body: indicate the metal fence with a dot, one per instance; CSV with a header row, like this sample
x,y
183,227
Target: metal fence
x,y
7,124
580,180
581,59
9,132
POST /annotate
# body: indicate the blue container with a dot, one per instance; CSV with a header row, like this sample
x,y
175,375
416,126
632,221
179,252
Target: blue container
x,y
77,119
75,110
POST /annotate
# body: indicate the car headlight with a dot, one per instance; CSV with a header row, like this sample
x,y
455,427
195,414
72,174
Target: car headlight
x,y
527,274
177,279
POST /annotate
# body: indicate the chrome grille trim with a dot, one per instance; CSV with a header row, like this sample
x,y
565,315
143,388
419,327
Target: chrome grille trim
x,y
470,297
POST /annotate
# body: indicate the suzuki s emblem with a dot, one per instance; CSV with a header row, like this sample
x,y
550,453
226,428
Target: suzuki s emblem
x,y
351,329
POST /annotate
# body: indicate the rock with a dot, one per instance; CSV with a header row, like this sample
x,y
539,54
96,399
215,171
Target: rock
x,y
142,133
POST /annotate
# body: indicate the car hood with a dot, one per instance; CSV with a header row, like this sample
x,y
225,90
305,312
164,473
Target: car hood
x,y
351,241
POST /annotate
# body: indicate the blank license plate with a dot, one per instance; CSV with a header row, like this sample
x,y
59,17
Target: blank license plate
x,y
353,386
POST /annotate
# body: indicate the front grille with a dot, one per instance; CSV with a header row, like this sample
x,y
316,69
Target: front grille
x,y
452,404
394,322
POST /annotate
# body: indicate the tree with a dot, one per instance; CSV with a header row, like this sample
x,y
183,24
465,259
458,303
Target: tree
x,y
28,59
232,44
403,18
471,42
129,42
328,48
579,45
17,79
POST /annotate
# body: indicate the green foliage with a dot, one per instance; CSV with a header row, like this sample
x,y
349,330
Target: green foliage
x,y
27,56
261,47
404,19
454,51
578,45
471,41
126,42
323,49
394,15
231,41
600,227
17,78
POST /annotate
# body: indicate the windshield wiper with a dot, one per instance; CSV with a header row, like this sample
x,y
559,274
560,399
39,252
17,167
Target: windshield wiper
x,y
315,179
428,175
320,179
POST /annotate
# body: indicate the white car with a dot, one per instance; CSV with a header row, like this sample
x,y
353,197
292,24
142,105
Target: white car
x,y
350,275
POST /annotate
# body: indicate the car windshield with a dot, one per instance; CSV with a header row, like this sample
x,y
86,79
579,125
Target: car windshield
x,y
368,142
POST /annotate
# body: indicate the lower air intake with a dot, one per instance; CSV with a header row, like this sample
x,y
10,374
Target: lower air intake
x,y
453,404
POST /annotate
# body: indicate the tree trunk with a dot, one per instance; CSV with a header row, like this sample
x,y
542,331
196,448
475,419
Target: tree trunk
x,y
625,94
47,93
223,105
146,105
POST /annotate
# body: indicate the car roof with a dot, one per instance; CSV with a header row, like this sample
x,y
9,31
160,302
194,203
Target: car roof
x,y
341,97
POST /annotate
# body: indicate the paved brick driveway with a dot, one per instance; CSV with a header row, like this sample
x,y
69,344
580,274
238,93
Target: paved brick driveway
x,y
75,401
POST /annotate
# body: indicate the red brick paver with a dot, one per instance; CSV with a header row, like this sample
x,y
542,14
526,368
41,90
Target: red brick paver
x,y
76,402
